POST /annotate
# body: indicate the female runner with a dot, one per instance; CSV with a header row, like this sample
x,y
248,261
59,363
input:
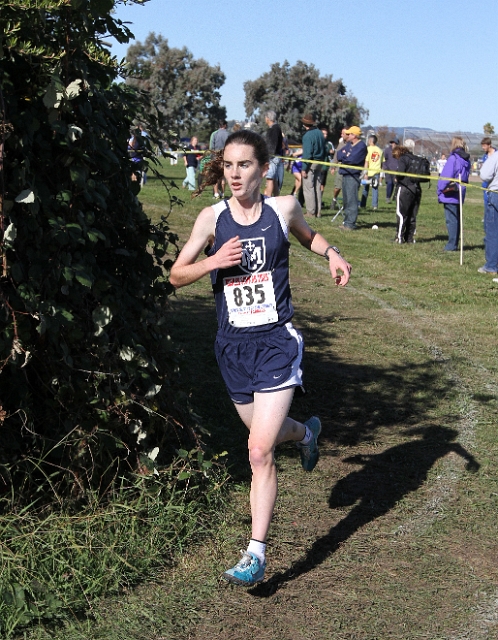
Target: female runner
x,y
258,350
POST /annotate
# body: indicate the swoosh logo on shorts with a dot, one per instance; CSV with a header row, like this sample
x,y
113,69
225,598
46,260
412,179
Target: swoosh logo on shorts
x,y
277,377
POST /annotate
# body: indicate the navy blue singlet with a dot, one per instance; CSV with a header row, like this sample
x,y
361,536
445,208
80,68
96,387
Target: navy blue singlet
x,y
265,247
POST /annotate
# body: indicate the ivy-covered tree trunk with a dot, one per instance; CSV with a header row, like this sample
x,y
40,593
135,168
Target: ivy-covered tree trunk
x,y
87,368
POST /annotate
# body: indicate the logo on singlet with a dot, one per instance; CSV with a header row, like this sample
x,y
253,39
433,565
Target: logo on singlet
x,y
253,255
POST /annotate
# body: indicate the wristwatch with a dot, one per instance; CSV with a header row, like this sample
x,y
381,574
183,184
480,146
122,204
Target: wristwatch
x,y
326,252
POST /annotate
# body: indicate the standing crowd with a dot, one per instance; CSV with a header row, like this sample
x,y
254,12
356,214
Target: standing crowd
x,y
358,170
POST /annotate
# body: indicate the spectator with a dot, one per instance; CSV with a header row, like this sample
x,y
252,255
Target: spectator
x,y
390,164
335,171
145,136
440,163
408,196
489,174
191,163
136,154
217,143
373,165
297,167
314,150
458,167
487,147
352,154
274,142
330,151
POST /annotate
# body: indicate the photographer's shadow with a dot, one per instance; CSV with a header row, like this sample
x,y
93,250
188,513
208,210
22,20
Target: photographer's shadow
x,y
372,491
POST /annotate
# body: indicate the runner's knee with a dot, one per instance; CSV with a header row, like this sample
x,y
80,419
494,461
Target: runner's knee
x,y
259,455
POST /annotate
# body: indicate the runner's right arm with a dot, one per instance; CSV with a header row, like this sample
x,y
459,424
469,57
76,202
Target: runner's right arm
x,y
186,270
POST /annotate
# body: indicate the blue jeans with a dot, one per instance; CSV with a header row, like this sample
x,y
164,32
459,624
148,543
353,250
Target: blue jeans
x,y
350,185
375,196
389,186
276,171
491,232
452,215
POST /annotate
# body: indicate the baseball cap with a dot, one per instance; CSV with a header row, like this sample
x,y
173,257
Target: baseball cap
x,y
355,130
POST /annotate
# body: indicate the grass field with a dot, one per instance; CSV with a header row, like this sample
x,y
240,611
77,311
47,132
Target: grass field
x,y
394,535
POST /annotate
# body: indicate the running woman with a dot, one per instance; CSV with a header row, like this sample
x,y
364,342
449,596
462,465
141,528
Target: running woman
x,y
258,350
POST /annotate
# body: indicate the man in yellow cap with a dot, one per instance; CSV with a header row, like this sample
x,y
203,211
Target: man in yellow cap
x,y
352,157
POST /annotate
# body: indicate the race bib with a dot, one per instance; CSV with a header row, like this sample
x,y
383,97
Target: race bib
x,y
250,300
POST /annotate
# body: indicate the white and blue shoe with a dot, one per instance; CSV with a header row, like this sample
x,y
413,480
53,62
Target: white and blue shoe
x,y
248,571
309,452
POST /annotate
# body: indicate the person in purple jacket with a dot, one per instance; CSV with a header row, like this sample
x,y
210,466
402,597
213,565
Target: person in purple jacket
x,y
457,166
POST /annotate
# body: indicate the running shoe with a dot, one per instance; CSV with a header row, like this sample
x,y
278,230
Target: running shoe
x,y
248,571
309,452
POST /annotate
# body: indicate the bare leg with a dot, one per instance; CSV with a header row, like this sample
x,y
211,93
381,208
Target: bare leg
x,y
266,418
297,183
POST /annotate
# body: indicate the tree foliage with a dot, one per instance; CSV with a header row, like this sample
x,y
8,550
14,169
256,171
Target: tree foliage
x,y
182,90
384,135
87,378
293,91
488,129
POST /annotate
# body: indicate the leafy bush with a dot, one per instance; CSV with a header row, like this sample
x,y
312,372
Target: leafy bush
x,y
88,372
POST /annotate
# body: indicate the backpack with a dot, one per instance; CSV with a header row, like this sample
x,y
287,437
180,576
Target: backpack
x,y
421,166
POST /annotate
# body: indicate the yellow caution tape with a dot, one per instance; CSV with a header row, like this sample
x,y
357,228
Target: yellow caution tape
x,y
394,173
349,166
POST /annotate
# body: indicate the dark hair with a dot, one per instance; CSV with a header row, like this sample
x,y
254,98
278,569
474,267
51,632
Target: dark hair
x,y
399,151
486,140
372,135
251,139
213,169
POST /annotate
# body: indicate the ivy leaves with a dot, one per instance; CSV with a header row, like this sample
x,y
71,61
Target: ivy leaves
x,y
85,287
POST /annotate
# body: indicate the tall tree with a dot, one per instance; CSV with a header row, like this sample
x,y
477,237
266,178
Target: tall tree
x,y
293,91
488,129
183,91
384,135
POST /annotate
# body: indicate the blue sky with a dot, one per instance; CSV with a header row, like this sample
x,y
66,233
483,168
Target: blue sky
x,y
427,63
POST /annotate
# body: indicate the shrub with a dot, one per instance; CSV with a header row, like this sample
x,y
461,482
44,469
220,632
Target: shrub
x,y
88,373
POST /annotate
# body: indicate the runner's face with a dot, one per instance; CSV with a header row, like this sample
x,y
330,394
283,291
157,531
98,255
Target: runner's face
x,y
242,171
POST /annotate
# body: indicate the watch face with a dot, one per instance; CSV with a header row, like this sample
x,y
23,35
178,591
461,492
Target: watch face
x,y
336,250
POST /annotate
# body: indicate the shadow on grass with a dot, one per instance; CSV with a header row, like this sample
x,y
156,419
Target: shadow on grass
x,y
357,403
354,401
372,491
444,238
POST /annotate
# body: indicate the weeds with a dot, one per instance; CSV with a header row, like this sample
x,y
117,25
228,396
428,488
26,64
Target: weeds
x,y
58,563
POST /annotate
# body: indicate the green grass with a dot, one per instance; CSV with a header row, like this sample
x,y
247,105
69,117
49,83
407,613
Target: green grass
x,y
394,534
